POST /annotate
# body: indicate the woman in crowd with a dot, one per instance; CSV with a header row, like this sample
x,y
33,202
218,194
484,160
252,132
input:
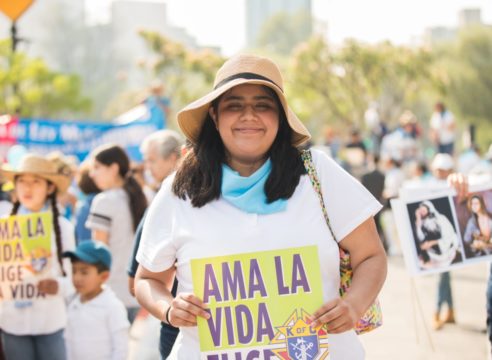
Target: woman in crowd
x,y
243,188
115,214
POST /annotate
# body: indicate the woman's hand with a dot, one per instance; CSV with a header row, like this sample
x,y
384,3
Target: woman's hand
x,y
460,183
184,309
48,286
337,315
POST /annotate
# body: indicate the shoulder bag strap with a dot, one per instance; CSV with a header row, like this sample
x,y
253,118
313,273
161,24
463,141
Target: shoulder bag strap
x,y
307,158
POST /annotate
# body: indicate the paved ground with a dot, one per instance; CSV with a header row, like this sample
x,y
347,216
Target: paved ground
x,y
406,332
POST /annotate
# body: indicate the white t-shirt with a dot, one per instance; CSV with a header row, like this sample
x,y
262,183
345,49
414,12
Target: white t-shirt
x,y
97,329
46,315
176,231
440,123
110,212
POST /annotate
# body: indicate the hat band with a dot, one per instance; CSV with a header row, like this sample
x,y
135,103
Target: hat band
x,y
247,76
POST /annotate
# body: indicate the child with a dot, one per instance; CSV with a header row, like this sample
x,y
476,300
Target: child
x,y
97,320
33,326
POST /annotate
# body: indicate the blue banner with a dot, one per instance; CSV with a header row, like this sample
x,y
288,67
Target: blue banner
x,y
79,138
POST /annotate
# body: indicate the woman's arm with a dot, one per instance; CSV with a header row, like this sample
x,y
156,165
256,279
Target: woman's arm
x,y
100,235
369,272
153,292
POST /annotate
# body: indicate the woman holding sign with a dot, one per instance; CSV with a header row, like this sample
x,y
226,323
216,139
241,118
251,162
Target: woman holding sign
x,y
35,279
241,225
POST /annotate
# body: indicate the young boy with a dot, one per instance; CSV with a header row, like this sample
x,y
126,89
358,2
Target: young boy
x,y
97,321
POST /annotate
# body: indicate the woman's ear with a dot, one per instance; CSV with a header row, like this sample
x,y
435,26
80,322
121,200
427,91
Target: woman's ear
x,y
115,169
213,115
51,188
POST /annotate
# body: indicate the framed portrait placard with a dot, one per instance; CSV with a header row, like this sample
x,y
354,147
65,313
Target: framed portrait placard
x,y
439,230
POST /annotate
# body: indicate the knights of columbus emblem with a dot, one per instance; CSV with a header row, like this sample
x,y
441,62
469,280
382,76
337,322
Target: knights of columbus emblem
x,y
300,341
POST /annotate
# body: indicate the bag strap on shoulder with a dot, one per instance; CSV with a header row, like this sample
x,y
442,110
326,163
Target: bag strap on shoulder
x,y
307,158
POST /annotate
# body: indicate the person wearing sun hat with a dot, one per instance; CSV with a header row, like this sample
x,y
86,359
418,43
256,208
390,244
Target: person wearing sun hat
x,y
243,188
33,327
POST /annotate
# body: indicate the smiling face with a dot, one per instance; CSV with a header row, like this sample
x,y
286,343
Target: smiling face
x,y
247,119
32,191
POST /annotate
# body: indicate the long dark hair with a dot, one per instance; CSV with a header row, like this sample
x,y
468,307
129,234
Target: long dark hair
x,y
111,154
56,225
199,176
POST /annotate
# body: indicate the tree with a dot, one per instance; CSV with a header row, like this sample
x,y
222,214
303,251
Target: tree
x,y
336,85
465,76
29,88
283,31
186,74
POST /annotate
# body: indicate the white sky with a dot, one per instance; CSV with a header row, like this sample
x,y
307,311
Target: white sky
x,y
222,23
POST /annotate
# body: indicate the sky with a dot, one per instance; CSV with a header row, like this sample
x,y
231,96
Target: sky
x,y
222,23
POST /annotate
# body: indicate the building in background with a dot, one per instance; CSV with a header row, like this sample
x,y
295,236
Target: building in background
x,y
439,34
100,42
258,12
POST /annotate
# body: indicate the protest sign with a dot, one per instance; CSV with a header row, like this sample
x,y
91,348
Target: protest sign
x,y
259,305
439,230
25,255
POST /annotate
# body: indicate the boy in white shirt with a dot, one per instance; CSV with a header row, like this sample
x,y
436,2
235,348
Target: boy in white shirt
x,y
97,321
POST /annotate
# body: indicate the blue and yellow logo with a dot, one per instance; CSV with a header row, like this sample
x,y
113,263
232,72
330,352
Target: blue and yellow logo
x,y
300,340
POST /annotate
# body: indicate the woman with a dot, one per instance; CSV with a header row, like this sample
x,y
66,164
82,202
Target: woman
x,y
115,214
437,239
243,188
478,231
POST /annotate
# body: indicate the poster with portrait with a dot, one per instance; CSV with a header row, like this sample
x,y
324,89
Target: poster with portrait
x,y
259,304
25,255
439,231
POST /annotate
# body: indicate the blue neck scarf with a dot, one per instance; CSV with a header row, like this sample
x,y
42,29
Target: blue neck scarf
x,y
248,193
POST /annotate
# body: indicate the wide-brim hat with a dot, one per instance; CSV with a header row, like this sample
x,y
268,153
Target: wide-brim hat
x,y
39,166
238,70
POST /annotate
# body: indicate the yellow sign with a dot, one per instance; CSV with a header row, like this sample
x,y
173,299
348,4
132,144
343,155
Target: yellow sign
x,y
14,8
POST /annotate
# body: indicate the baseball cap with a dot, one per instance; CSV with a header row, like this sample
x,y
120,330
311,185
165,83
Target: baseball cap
x,y
442,162
91,252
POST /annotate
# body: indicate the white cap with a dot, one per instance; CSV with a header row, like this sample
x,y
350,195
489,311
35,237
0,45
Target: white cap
x,y
442,162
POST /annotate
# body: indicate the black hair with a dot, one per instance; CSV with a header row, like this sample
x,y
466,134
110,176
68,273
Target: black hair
x,y
112,154
85,182
199,176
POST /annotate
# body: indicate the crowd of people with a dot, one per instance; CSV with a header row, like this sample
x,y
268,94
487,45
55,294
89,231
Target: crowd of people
x,y
123,232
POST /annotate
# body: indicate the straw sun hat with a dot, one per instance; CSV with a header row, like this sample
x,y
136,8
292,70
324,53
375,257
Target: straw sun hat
x,y
39,166
238,70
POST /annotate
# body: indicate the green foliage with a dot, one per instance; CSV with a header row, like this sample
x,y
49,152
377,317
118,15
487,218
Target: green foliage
x,y
283,31
186,74
463,79
29,88
336,85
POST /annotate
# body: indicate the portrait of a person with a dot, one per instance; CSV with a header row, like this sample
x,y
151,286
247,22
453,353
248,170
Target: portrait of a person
x,y
478,231
437,240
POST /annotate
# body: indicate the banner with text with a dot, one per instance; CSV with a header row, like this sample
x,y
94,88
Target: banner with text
x,y
80,137
259,305
25,254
